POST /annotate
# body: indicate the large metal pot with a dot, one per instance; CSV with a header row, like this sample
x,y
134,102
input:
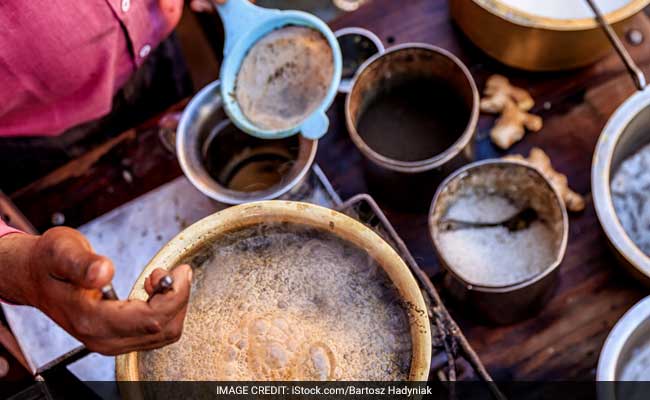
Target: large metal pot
x,y
625,133
630,333
192,239
533,42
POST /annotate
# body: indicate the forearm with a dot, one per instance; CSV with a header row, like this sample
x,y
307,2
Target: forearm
x,y
16,252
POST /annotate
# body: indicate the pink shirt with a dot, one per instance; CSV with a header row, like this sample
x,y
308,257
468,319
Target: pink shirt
x,y
5,229
61,61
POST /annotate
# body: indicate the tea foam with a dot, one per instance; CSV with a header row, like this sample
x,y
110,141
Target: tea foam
x,y
278,303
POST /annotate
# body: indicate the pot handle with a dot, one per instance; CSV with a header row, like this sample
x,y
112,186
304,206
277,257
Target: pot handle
x,y
635,72
167,127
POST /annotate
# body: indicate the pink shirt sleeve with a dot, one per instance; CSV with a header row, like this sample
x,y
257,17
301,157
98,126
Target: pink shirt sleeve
x,y
5,229
61,66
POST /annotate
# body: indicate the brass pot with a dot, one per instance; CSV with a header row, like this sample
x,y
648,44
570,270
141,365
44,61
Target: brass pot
x,y
196,236
537,43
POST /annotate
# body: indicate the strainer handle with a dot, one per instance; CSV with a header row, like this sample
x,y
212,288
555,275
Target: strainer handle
x,y
240,17
635,72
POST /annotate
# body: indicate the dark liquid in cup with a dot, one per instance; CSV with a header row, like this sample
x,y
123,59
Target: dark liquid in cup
x,y
414,120
355,49
245,163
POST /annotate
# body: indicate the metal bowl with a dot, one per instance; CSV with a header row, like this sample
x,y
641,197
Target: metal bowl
x,y
629,333
626,132
533,42
514,179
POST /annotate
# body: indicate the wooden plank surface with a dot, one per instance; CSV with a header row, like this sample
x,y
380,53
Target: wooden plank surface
x,y
564,340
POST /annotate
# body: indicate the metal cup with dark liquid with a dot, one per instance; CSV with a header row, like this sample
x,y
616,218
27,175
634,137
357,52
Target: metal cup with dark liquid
x,y
412,112
245,163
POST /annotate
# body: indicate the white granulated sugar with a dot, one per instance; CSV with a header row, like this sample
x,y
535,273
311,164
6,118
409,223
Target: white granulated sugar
x,y
631,197
481,209
284,304
494,256
564,9
284,77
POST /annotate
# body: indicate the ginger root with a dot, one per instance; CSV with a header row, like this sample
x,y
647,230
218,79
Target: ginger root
x,y
538,159
499,92
512,103
509,128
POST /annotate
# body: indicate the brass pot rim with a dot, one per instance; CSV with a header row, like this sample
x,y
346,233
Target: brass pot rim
x,y
520,17
347,228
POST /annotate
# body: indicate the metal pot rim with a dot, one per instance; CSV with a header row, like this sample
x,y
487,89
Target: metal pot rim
x,y
601,180
515,286
225,195
519,17
440,158
617,339
348,229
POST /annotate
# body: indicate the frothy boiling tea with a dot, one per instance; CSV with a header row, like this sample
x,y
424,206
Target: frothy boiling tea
x,y
284,77
279,302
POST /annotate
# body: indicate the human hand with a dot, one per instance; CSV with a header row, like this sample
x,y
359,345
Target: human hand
x,y
64,278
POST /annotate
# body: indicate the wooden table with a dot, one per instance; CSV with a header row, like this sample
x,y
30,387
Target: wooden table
x,y
564,340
